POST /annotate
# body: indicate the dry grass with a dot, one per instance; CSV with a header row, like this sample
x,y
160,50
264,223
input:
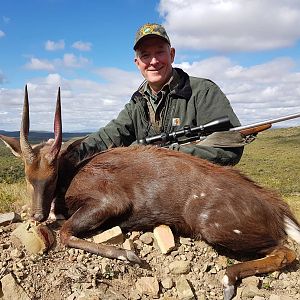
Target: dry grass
x,y
13,196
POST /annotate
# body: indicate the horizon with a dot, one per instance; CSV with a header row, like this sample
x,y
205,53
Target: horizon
x,y
86,49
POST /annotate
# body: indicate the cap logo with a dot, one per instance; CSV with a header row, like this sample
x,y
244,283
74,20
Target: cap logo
x,y
147,30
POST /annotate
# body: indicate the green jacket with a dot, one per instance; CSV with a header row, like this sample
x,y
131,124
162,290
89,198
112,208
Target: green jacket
x,y
193,101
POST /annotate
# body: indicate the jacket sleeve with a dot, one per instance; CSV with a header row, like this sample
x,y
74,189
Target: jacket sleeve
x,y
210,104
222,156
118,132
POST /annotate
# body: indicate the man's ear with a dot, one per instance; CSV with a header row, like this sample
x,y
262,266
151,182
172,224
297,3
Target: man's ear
x,y
172,53
136,61
13,144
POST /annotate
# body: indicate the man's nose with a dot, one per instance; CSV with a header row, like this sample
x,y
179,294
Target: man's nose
x,y
154,60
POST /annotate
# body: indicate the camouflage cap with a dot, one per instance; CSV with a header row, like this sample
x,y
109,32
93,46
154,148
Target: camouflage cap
x,y
151,29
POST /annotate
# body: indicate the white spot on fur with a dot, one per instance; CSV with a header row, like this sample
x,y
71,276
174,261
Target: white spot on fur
x,y
292,230
204,216
237,231
195,196
218,189
217,225
202,194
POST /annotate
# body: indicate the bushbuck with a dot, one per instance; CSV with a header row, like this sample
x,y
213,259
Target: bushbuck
x,y
141,187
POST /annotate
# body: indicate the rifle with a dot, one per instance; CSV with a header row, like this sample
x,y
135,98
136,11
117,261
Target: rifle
x,y
199,133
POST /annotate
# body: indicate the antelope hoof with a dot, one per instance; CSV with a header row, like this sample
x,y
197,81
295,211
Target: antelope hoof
x,y
229,289
229,292
133,258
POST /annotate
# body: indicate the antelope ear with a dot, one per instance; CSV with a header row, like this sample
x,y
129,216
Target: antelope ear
x,y
13,144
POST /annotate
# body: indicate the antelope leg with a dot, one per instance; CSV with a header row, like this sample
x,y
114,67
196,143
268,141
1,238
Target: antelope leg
x,y
82,221
276,259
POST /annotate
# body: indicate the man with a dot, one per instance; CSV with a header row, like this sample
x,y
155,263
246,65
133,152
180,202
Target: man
x,y
166,101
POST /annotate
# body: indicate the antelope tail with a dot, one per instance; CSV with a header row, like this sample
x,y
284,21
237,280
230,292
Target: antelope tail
x,y
292,229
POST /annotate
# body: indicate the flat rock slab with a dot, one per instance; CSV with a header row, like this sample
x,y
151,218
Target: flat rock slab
x,y
35,238
8,218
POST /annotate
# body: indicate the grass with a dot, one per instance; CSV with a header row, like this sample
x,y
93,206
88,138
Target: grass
x,y
272,160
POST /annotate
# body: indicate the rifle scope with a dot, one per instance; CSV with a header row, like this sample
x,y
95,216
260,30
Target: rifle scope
x,y
220,124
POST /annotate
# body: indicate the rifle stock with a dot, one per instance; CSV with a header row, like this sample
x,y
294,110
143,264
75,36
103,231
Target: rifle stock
x,y
255,130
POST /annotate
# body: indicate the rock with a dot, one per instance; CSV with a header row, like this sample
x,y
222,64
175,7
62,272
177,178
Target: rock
x,y
128,244
167,282
180,267
184,289
148,286
147,238
111,236
164,238
16,253
11,289
279,297
8,218
134,235
35,238
250,291
185,241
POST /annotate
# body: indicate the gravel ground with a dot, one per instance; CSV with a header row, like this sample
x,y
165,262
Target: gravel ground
x,y
193,270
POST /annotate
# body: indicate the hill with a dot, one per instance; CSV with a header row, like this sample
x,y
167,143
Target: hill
x,y
38,136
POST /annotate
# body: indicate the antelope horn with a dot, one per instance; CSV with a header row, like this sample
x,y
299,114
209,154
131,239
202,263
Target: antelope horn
x,y
57,129
26,148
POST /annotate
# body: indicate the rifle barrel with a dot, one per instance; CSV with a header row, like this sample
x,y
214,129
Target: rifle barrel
x,y
288,117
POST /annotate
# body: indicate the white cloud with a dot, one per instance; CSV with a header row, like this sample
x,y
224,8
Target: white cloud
x,y
72,61
53,46
82,46
2,34
40,64
86,104
257,93
232,25
68,61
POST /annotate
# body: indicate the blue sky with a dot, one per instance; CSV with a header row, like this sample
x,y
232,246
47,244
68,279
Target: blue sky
x,y
251,49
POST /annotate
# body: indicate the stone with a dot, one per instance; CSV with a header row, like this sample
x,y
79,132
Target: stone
x,y
128,244
184,289
180,267
148,286
11,289
111,236
279,297
185,241
8,218
167,282
164,238
147,238
36,239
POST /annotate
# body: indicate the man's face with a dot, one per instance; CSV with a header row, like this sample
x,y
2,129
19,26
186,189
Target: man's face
x,y
154,58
